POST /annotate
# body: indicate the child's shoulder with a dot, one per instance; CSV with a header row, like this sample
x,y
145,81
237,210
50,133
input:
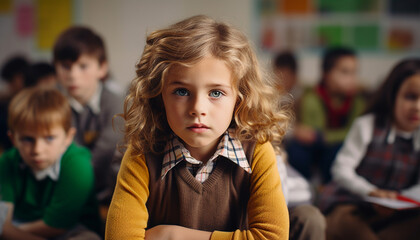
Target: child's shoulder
x,y
10,156
310,95
77,153
263,152
76,161
110,99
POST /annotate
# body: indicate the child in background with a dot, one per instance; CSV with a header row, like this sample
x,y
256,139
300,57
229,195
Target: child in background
x,y
12,73
306,221
199,121
326,112
286,70
46,181
380,158
81,64
40,74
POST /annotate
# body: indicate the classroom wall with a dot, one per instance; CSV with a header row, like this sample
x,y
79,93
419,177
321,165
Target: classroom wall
x,y
124,25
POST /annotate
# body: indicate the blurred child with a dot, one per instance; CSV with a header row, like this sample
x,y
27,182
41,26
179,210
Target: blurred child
x,y
380,158
12,73
199,121
286,71
46,181
306,221
40,74
325,113
81,64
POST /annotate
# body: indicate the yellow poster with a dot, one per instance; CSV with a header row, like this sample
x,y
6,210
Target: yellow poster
x,y
5,6
53,16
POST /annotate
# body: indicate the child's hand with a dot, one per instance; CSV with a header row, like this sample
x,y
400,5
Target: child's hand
x,y
174,232
159,232
381,193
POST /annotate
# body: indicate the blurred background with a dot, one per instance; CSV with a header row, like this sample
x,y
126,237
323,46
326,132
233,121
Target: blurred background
x,y
382,31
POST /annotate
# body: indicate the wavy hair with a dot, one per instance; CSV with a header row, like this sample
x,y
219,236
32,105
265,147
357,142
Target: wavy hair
x,y
257,114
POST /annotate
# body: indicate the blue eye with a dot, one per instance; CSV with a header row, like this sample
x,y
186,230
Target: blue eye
x,y
181,92
216,94
26,139
49,138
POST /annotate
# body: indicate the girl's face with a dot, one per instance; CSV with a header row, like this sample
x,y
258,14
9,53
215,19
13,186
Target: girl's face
x,y
341,79
199,103
407,104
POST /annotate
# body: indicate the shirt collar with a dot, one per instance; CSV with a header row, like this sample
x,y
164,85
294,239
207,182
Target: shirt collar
x,y
229,147
93,104
393,132
52,171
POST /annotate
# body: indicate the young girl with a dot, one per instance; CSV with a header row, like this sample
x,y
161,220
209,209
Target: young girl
x,y
380,158
199,121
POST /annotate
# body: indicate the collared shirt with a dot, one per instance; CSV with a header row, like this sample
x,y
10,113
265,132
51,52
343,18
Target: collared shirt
x,y
93,104
52,171
355,148
229,147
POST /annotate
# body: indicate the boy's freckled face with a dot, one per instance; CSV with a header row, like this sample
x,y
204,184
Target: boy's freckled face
x,y
199,102
407,104
40,151
81,78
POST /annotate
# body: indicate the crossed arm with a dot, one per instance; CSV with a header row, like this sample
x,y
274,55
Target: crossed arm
x,y
36,230
267,211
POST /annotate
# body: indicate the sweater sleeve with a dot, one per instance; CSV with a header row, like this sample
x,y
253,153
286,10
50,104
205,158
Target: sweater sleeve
x,y
350,156
127,215
268,216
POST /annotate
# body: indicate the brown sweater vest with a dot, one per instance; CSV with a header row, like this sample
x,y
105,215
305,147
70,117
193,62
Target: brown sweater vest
x,y
220,203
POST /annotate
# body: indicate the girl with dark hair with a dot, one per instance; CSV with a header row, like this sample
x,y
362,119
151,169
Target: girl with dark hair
x,y
380,158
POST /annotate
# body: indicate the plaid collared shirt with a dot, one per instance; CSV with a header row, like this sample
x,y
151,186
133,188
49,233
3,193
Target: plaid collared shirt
x,y
229,147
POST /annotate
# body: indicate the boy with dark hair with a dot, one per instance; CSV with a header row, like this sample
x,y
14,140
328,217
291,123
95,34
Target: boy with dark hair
x,y
327,111
40,74
81,65
285,68
12,73
46,181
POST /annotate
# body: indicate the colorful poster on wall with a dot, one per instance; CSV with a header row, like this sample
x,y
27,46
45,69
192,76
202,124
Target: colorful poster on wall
x,y
25,20
366,37
366,25
52,18
294,7
5,6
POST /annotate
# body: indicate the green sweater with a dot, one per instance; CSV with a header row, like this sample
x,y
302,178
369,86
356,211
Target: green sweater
x,y
312,112
62,203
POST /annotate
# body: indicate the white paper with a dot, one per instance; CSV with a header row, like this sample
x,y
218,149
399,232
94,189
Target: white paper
x,y
391,203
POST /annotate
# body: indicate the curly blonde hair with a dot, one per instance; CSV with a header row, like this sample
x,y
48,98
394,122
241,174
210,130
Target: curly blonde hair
x,y
257,115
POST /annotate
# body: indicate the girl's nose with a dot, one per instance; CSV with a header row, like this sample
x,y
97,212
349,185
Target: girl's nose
x,y
198,106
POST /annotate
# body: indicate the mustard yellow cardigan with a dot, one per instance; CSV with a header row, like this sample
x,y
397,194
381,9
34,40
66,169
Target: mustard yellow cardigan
x,y
267,211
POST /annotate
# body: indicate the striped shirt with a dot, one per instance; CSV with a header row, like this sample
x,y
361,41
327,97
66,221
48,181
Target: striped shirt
x,y
229,147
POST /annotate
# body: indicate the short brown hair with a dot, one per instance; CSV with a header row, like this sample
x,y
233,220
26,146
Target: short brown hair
x,y
78,40
39,109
